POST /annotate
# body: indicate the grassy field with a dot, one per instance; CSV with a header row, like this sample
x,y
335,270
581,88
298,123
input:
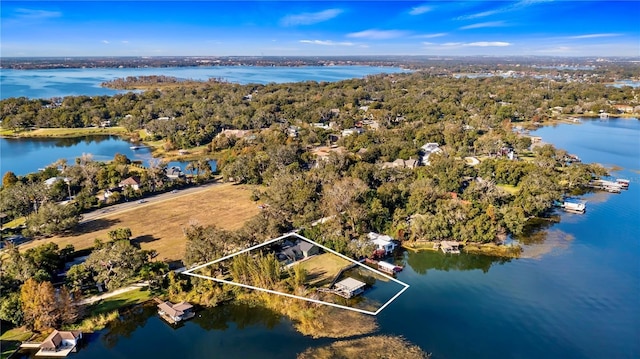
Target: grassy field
x,y
159,226
64,132
10,340
126,299
321,269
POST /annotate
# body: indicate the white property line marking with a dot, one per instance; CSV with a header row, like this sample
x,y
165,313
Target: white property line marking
x,y
405,285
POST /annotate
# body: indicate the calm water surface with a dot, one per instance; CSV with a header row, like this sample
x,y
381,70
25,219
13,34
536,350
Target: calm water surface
x,y
73,82
575,294
27,155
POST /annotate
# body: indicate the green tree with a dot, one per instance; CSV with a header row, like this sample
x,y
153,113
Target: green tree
x,y
53,218
120,234
116,264
11,308
79,277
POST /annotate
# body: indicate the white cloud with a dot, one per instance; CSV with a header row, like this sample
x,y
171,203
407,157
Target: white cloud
x,y
326,43
556,50
310,18
489,44
430,36
377,34
483,25
593,36
418,10
467,44
125,41
105,42
32,14
512,7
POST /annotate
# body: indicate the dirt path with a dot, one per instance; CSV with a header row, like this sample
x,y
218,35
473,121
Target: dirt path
x,y
96,298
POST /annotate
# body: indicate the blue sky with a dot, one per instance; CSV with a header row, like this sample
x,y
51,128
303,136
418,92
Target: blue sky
x,y
270,28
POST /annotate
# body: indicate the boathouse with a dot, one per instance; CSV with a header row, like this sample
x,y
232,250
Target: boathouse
x,y
450,247
174,313
349,287
59,343
388,267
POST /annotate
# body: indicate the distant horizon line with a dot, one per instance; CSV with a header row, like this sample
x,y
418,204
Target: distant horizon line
x,y
323,56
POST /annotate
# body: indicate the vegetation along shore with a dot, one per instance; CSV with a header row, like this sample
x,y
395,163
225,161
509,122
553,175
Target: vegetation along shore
x,y
424,157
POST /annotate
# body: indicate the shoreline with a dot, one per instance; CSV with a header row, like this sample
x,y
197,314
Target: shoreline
x,y
486,249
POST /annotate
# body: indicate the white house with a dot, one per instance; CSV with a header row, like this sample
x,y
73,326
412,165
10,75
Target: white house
x,y
50,181
351,131
427,150
59,343
382,242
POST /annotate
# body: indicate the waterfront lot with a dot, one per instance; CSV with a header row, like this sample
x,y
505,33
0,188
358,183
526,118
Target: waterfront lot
x,y
158,225
321,269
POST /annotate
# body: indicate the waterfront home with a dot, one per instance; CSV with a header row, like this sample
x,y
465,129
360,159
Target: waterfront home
x,y
300,250
174,313
349,287
384,244
623,108
174,172
59,343
133,182
50,181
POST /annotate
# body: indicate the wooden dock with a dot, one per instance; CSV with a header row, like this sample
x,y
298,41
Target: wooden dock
x,y
452,247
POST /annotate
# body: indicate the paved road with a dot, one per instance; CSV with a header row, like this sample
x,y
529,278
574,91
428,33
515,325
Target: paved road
x,y
128,206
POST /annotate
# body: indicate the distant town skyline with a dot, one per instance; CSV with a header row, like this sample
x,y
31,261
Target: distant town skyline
x,y
320,28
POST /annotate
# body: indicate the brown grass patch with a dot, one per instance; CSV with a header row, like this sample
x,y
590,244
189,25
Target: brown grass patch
x,y
379,346
158,225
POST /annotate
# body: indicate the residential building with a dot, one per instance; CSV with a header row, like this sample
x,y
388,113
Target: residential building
x,y
133,182
59,343
429,149
384,244
174,313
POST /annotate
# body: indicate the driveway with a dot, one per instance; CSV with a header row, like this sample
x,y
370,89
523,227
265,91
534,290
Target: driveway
x,y
96,298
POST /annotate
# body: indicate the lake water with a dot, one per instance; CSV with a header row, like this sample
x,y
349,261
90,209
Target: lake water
x,y
574,295
27,155
73,82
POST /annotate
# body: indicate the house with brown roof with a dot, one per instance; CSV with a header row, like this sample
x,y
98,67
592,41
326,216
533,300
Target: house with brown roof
x,y
174,313
133,182
59,343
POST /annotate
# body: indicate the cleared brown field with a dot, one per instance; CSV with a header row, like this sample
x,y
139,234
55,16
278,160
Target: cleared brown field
x,y
159,225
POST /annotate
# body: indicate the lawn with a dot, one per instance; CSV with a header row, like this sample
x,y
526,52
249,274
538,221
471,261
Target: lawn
x,y
10,340
509,188
126,299
65,132
158,226
321,269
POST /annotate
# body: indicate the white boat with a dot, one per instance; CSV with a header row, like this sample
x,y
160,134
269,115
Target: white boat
x,y
623,182
574,206
134,147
